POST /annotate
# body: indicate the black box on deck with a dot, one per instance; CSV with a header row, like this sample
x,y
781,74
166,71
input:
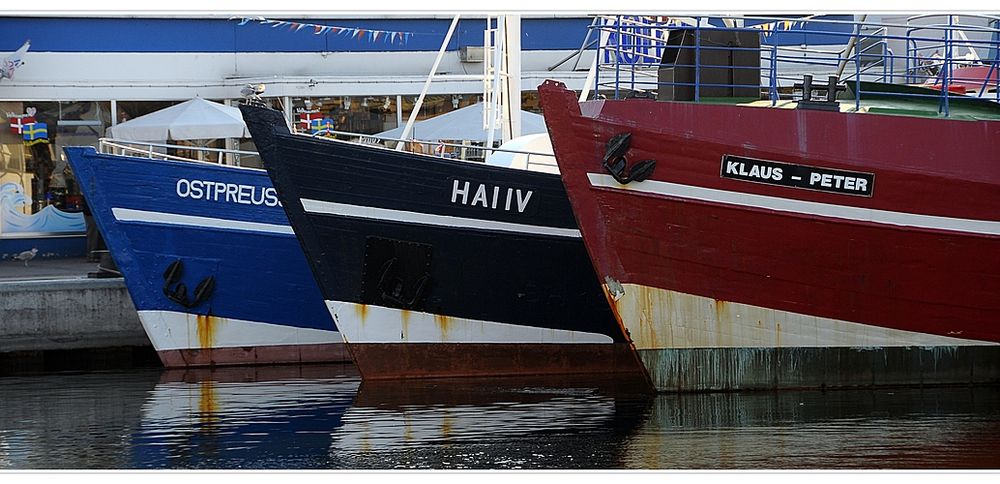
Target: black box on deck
x,y
729,61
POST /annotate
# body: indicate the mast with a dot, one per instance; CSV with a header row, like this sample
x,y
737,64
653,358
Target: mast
x,y
427,85
502,79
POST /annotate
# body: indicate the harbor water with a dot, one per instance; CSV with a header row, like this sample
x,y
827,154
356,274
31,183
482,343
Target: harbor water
x,y
324,417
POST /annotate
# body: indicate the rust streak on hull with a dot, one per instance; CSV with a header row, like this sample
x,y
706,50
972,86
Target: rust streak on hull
x,y
362,312
206,330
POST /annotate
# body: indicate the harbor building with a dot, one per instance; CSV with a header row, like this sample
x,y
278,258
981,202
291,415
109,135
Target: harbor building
x,y
76,76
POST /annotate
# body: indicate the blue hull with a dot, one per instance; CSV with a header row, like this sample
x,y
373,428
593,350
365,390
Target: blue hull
x,y
220,222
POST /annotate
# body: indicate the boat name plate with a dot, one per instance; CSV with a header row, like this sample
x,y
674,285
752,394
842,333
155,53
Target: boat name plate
x,y
797,176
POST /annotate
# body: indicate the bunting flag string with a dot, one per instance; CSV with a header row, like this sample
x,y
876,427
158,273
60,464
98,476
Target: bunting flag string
x,y
369,35
771,27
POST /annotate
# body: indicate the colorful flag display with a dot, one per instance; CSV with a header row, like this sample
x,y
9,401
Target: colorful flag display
x,y
35,133
26,126
369,35
306,119
18,122
322,127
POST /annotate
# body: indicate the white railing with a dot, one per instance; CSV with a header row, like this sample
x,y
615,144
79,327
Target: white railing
x,y
459,151
162,151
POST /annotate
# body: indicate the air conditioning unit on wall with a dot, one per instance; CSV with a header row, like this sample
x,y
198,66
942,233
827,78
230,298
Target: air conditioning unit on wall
x,y
470,53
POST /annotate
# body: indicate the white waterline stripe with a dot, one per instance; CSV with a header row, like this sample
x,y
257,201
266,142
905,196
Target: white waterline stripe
x,y
175,330
131,215
360,323
986,227
374,213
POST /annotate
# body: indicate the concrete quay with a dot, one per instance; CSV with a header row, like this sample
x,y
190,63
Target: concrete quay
x,y
53,314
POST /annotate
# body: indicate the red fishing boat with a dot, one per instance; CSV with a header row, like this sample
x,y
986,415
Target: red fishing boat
x,y
788,243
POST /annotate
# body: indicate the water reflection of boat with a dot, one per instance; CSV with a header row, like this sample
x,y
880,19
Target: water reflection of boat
x,y
802,242
209,260
898,428
70,421
435,267
243,417
516,422
317,416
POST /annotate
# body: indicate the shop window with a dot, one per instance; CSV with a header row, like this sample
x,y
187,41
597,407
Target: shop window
x,y
31,155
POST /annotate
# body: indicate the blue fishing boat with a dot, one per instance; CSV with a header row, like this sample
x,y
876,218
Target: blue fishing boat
x,y
209,259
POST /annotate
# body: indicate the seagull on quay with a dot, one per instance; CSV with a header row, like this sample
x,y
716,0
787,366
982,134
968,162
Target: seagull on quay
x,y
26,256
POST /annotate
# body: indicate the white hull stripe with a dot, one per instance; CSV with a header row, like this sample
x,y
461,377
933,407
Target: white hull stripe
x,y
374,213
664,319
132,215
986,227
377,324
174,330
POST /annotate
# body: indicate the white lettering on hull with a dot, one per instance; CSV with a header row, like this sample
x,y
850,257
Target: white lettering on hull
x,y
460,195
227,192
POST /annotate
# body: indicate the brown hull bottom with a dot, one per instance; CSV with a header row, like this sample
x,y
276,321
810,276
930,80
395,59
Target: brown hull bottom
x,y
382,361
256,355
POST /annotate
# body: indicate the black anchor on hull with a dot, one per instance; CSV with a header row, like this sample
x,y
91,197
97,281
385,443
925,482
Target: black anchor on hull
x,y
394,288
616,164
178,293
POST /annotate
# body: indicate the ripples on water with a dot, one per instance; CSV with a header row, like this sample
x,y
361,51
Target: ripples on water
x,y
323,417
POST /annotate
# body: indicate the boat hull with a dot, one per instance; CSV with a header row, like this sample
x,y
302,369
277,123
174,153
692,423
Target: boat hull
x,y
434,267
721,275
264,309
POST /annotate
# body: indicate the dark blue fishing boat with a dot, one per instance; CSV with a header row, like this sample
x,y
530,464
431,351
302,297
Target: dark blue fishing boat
x,y
435,267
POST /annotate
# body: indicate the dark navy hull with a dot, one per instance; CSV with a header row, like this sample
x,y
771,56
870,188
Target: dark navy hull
x,y
436,267
223,224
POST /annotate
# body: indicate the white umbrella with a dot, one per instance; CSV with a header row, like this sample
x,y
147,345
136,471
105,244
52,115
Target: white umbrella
x,y
194,119
464,124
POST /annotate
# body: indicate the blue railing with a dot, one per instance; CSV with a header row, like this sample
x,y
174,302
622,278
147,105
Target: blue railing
x,y
863,55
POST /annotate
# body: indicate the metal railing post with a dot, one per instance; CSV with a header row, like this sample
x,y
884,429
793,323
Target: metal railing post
x,y
857,66
618,50
774,76
697,59
597,59
946,81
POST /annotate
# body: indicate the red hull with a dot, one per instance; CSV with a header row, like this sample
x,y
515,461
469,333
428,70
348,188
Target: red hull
x,y
933,280
256,355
